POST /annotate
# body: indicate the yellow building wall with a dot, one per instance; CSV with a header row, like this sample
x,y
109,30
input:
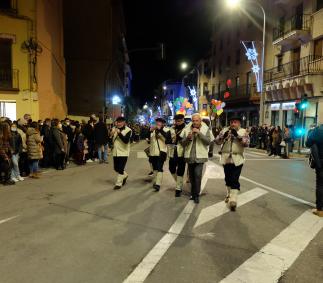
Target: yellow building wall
x,y
19,28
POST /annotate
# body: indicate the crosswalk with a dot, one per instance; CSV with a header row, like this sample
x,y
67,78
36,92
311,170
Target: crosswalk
x,y
268,263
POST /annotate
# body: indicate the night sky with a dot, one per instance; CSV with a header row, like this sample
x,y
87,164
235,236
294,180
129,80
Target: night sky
x,y
183,25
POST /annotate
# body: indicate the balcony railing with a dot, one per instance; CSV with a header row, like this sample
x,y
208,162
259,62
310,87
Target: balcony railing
x,y
9,79
8,6
241,92
297,22
307,65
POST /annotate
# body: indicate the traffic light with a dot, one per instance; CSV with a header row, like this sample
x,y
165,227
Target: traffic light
x,y
304,104
299,132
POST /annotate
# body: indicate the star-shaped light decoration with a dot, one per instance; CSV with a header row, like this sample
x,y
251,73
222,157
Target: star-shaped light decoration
x,y
255,69
252,54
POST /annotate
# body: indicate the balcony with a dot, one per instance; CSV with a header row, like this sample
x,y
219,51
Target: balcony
x,y
9,80
305,66
8,6
296,28
240,93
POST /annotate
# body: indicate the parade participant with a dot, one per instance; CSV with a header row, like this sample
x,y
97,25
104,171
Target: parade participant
x,y
160,137
121,136
233,140
196,138
176,154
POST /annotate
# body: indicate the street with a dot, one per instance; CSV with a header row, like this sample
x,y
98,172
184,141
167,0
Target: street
x,y
70,226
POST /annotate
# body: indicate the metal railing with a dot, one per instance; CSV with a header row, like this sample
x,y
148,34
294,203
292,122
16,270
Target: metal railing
x,y
9,6
307,65
237,93
9,79
297,22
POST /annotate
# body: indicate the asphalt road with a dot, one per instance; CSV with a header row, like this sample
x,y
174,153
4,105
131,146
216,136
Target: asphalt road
x,y
71,227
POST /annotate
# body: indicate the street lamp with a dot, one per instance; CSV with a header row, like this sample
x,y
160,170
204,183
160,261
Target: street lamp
x,y
234,4
184,66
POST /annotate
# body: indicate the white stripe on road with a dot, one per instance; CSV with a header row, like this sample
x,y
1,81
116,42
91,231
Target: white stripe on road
x,y
273,159
278,192
269,264
146,266
141,155
8,219
218,209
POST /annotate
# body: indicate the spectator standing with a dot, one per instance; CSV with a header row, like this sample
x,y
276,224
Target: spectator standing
x,y
101,138
34,149
16,145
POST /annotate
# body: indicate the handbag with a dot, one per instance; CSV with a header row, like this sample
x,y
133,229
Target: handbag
x,y
283,144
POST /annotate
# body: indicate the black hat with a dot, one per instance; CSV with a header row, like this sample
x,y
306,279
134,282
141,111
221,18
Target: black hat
x,y
179,117
160,119
235,118
121,119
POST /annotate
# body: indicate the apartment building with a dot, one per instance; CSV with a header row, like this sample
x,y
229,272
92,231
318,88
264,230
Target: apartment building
x,y
32,66
294,62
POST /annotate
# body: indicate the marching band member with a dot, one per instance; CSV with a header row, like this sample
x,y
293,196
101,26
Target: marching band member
x,y
233,140
121,136
176,154
160,137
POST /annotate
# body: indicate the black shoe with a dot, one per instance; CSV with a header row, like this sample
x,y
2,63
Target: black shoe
x,y
124,181
9,183
151,174
178,193
156,188
117,188
197,200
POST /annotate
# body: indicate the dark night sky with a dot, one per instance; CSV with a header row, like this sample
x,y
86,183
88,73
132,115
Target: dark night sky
x,y
183,25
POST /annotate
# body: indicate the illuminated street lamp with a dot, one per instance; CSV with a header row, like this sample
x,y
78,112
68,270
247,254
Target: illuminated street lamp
x,y
235,4
164,87
116,100
145,106
184,66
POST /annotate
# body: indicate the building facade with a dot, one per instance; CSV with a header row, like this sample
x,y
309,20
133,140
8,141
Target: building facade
x,y
32,65
96,56
294,63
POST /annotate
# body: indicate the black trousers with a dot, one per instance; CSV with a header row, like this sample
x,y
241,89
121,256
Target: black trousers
x,y
59,160
195,172
158,162
120,164
232,175
177,165
24,164
319,189
5,170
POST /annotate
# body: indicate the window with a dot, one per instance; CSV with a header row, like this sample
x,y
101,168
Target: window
x,y
219,88
228,61
279,63
238,55
319,5
220,68
237,82
5,4
5,63
213,90
318,48
205,87
221,44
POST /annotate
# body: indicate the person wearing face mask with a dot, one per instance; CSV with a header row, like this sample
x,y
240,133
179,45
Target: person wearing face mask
x,y
16,149
59,148
120,135
196,139
176,154
47,143
233,140
160,137
67,129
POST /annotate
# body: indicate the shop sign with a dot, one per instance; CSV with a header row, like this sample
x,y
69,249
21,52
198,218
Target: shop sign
x,y
275,107
289,106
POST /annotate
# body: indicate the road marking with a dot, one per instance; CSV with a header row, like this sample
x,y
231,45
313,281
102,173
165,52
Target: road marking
x,y
278,192
209,213
255,154
212,171
141,155
272,159
147,265
278,255
8,219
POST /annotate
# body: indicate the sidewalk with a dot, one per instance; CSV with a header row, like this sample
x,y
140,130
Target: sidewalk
x,y
304,152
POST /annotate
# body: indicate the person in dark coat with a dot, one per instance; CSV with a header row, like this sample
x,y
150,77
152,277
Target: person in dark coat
x,y
5,154
101,139
59,149
47,144
315,138
88,132
16,146
67,129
